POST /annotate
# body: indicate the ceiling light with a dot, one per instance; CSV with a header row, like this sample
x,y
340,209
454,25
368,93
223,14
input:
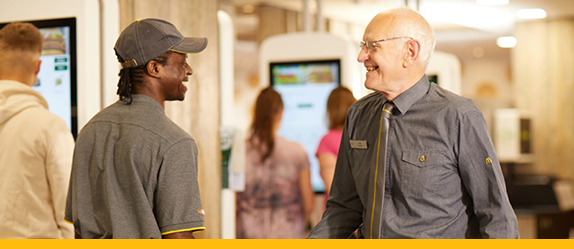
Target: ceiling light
x,y
476,17
531,13
492,2
506,41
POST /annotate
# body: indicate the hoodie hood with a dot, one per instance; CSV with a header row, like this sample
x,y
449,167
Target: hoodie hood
x,y
15,97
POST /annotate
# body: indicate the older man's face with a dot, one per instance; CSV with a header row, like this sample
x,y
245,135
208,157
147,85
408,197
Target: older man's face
x,y
382,60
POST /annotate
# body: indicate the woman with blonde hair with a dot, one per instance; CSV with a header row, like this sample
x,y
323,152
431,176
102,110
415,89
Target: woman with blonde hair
x,y
278,197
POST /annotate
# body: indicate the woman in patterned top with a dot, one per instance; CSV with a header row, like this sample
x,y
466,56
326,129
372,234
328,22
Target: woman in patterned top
x,y
278,197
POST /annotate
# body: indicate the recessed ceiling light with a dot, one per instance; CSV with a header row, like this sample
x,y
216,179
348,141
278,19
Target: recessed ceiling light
x,y
506,41
492,2
531,13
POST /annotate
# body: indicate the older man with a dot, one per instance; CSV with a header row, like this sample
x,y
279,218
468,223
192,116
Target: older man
x,y
416,161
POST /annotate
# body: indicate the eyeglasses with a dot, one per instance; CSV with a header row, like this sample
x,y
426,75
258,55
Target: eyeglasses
x,y
371,45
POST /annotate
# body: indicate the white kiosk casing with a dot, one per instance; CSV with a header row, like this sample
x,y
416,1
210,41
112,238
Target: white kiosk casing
x,y
311,47
512,136
97,25
447,68
232,141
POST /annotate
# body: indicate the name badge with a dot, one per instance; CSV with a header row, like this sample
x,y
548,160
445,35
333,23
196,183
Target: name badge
x,y
359,144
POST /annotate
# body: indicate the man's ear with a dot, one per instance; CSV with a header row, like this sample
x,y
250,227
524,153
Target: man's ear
x,y
153,68
412,53
37,68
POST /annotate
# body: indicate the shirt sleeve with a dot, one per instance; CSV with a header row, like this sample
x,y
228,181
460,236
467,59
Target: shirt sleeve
x,y
344,208
322,147
177,201
58,168
481,175
303,161
328,144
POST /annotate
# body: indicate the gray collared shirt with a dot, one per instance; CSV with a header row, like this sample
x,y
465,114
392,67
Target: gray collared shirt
x,y
442,176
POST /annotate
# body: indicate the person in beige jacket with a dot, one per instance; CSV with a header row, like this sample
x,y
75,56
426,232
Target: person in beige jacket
x,y
36,146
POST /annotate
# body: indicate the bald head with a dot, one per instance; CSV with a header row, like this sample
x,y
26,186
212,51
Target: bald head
x,y
20,49
407,22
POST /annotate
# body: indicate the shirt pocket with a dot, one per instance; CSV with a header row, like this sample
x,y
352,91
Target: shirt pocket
x,y
419,172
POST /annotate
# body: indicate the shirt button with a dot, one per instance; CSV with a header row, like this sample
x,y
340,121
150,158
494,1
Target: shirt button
x,y
422,159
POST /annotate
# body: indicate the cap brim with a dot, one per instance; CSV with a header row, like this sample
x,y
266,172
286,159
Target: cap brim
x,y
191,45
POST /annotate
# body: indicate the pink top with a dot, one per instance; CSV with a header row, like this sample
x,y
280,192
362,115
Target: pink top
x,y
330,143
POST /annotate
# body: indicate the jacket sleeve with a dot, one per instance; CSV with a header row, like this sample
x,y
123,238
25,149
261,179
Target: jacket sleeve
x,y
58,168
482,177
344,207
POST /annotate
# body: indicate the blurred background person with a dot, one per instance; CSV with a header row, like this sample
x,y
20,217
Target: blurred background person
x,y
278,197
36,145
337,105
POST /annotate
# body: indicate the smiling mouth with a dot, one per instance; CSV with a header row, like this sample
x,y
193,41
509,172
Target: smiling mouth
x,y
369,69
184,83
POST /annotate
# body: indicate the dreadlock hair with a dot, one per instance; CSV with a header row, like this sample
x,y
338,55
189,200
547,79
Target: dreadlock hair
x,y
134,75
267,106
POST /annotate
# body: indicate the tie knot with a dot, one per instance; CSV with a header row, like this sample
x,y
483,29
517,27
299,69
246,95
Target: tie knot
x,y
388,108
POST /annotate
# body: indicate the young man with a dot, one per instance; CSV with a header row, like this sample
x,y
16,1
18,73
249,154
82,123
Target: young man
x,y
134,172
35,145
415,161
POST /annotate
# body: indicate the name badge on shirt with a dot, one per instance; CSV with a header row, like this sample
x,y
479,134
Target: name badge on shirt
x,y
359,144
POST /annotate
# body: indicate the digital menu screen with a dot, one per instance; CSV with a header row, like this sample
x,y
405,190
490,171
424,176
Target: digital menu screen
x,y
304,87
57,77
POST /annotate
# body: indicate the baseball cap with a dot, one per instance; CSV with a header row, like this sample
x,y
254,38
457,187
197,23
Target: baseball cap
x,y
146,39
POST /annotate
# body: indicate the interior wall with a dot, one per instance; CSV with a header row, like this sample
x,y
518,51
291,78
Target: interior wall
x,y
198,114
488,82
543,85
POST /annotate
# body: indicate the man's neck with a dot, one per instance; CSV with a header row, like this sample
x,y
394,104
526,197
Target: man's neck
x,y
26,80
150,92
402,86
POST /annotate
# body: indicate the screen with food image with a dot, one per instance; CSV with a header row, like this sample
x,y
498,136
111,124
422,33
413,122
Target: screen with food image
x,y
304,87
57,77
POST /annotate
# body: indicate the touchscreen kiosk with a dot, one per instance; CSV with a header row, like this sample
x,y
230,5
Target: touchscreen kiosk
x,y
57,77
304,87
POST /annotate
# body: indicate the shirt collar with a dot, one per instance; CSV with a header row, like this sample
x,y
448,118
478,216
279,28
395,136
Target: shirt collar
x,y
141,98
406,99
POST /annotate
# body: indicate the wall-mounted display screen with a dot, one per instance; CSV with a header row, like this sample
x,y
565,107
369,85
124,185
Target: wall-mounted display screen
x,y
57,77
304,87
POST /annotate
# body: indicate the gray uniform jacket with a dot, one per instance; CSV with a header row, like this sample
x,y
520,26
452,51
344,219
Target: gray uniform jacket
x,y
441,178
134,175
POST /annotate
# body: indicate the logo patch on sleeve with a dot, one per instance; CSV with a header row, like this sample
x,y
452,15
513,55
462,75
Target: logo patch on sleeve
x,y
488,161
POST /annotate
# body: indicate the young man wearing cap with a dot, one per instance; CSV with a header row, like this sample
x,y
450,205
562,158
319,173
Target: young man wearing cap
x,y
134,172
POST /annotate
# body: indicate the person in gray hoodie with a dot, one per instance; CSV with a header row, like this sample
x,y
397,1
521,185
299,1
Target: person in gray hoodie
x,y
36,145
